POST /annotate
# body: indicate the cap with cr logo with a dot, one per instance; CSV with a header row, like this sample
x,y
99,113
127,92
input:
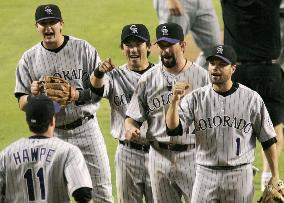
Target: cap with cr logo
x,y
47,12
169,32
224,52
137,30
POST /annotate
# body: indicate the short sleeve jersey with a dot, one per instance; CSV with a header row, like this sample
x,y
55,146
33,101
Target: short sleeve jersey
x,y
74,63
152,98
41,170
226,127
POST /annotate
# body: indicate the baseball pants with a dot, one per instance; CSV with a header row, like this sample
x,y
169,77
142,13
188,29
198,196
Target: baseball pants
x,y
89,139
132,175
172,174
223,186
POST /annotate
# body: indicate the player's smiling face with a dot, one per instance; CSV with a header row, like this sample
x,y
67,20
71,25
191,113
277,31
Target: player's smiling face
x,y
171,53
51,32
136,51
220,72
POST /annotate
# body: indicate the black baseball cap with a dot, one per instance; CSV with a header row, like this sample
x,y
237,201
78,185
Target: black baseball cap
x,y
224,52
137,30
46,12
40,110
169,32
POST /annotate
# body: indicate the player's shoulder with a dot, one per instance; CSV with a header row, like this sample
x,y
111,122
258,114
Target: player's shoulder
x,y
202,90
248,90
33,49
152,72
14,145
80,42
194,66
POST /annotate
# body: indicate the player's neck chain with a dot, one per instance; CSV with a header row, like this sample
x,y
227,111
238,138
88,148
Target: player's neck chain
x,y
182,67
171,80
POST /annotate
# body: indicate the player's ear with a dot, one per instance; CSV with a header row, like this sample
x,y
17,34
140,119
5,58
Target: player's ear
x,y
52,123
233,68
183,45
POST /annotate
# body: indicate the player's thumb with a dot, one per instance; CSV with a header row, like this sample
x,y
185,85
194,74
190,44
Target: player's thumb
x,y
110,61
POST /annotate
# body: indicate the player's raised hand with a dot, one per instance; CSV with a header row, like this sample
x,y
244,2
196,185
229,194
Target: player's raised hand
x,y
106,66
132,133
175,7
179,90
36,88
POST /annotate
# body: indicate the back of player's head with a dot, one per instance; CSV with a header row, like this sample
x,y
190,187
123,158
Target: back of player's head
x,y
224,52
47,12
169,32
139,31
39,113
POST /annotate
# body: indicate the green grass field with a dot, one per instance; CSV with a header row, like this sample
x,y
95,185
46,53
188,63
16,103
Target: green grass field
x,y
98,22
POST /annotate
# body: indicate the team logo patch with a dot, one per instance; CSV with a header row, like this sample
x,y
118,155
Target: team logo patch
x,y
48,10
133,28
165,30
219,50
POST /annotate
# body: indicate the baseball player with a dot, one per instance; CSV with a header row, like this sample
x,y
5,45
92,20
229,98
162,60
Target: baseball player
x,y
171,159
258,67
72,59
197,17
43,168
228,117
117,85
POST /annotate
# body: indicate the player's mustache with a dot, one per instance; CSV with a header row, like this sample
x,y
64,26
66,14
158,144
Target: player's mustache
x,y
167,56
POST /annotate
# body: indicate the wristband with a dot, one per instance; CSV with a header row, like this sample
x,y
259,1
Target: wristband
x,y
99,74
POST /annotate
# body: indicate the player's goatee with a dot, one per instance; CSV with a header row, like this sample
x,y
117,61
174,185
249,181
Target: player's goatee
x,y
168,64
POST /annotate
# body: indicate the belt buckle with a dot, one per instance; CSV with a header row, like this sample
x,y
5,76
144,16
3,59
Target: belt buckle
x,y
144,148
170,146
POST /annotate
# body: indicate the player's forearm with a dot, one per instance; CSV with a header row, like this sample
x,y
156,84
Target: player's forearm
x,y
272,158
23,102
131,123
172,117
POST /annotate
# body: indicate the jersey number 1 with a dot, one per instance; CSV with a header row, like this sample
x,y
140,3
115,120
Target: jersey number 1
x,y
30,183
238,140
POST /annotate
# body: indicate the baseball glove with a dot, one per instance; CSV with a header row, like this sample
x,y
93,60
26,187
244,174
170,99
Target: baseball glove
x,y
273,192
57,89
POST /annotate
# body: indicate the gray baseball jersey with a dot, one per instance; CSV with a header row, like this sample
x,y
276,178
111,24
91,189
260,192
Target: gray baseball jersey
x,y
41,170
199,19
171,173
226,129
152,97
119,87
132,185
74,62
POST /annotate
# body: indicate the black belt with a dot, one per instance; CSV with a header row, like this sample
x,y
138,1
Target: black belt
x,y
175,147
281,14
133,145
224,167
76,123
273,61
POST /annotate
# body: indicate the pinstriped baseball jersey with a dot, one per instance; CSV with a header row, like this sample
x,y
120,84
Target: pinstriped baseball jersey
x,y
119,87
152,97
226,127
42,170
75,62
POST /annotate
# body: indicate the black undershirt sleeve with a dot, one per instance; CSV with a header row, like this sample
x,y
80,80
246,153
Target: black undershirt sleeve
x,y
175,132
83,194
265,145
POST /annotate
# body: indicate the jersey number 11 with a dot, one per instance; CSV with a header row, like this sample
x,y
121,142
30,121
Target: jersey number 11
x,y
30,183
